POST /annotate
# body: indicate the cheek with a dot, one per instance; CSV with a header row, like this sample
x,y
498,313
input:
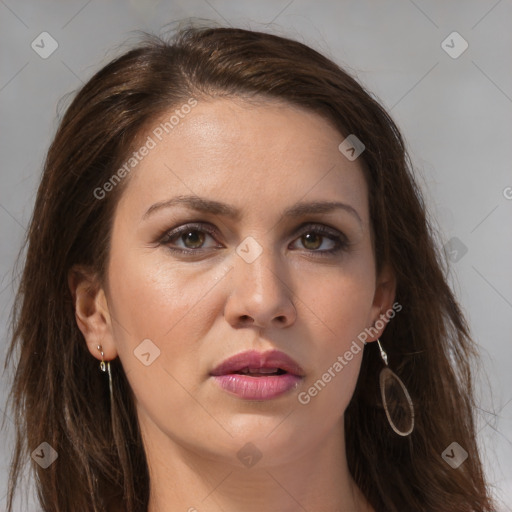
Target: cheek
x,y
339,300
337,314
155,300
173,307
341,306
336,350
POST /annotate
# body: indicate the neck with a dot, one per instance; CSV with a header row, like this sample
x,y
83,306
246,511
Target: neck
x,y
184,480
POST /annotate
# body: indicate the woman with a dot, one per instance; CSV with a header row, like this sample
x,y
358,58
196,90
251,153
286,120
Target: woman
x,y
232,298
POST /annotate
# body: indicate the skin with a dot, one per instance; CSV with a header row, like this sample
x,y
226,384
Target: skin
x,y
199,309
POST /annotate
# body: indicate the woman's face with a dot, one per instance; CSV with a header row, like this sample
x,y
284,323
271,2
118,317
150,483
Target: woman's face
x,y
205,264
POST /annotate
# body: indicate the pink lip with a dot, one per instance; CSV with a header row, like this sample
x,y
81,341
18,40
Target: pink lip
x,y
258,387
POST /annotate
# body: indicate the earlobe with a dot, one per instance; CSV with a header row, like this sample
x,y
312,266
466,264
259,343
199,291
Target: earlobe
x,y
91,311
384,297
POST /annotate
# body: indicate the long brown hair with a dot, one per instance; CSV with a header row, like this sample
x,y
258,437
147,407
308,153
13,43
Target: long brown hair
x,y
59,396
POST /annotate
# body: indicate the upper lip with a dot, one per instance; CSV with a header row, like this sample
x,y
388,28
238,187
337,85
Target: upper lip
x,y
254,360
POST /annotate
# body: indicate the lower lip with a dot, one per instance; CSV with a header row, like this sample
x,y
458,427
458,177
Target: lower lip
x,y
257,388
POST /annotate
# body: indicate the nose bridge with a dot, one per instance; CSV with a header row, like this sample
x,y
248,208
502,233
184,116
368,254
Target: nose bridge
x,y
260,291
257,265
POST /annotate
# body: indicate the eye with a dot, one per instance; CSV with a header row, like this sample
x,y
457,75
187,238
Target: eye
x,y
314,236
192,236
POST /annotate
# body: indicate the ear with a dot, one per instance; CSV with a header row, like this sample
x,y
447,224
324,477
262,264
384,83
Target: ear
x,y
91,312
385,290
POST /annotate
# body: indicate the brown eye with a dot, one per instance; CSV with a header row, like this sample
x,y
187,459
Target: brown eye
x,y
189,238
316,239
321,240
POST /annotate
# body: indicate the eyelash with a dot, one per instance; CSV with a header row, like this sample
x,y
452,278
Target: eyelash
x,y
326,232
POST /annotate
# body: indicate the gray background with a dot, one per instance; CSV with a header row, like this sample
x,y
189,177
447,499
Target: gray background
x,y
455,114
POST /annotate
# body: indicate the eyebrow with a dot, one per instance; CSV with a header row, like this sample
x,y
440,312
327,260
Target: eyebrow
x,y
204,205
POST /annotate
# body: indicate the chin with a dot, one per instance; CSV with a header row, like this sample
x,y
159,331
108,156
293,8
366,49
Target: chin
x,y
278,439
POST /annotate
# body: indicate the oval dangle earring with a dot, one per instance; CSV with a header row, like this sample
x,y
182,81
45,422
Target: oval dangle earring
x,y
395,399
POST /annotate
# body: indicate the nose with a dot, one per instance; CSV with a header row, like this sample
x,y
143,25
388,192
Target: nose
x,y
260,296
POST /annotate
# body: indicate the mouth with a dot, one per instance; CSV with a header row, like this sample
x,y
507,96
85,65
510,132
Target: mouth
x,y
254,375
260,372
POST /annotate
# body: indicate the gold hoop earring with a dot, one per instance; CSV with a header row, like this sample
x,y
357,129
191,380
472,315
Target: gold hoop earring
x,y
395,399
105,367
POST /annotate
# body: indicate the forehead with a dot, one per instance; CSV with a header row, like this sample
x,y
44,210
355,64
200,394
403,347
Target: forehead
x,y
242,152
